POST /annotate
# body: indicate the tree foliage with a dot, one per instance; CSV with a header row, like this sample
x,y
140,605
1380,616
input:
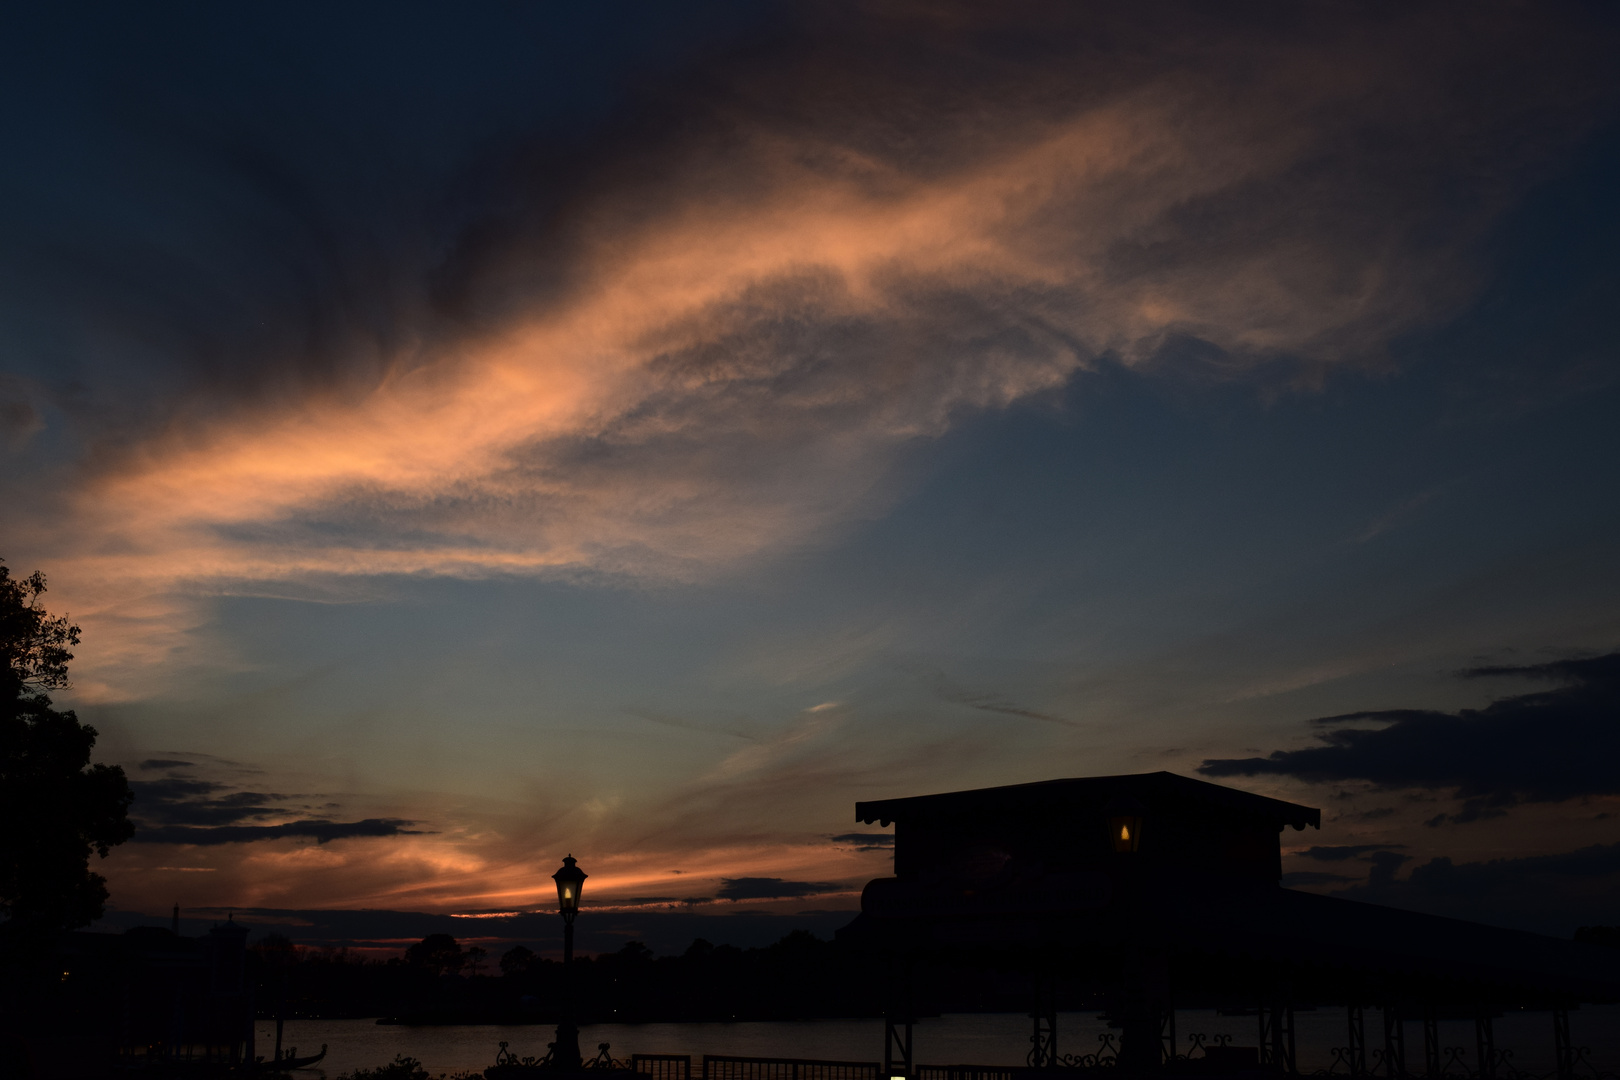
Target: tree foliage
x,y
518,960
34,644
56,808
438,953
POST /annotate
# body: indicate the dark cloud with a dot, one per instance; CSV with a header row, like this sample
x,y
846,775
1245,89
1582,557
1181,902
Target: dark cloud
x,y
1308,878
770,888
1344,851
1544,747
183,808
249,232
317,830
181,800
1550,893
1384,866
866,841
1384,862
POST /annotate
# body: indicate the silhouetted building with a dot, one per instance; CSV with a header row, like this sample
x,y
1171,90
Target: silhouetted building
x,y
1149,891
142,998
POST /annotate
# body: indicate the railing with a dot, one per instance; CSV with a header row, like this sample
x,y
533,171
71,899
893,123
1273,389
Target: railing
x,y
727,1067
1457,1066
1215,1050
662,1066
966,1072
1205,1053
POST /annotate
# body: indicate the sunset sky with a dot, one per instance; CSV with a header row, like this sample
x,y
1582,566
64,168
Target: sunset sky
x,y
472,434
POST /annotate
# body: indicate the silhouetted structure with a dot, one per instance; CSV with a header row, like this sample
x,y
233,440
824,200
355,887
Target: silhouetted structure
x,y
149,996
1144,891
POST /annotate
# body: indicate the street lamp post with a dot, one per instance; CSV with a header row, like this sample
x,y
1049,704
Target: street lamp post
x,y
570,881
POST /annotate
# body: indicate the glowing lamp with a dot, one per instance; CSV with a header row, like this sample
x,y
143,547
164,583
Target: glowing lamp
x,y
1125,825
1125,831
570,882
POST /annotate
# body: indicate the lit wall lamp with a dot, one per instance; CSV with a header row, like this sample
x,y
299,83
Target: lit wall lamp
x,y
1125,824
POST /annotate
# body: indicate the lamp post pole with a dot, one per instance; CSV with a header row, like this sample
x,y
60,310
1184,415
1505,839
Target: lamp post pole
x,y
570,881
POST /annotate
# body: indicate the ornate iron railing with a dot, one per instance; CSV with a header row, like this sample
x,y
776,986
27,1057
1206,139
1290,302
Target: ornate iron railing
x,y
509,1064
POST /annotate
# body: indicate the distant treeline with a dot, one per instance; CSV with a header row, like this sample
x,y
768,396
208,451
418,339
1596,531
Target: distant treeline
x,y
439,981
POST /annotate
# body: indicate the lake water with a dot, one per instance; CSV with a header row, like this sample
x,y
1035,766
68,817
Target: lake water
x,y
980,1039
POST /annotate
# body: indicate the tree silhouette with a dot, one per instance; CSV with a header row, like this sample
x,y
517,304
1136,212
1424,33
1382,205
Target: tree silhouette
x,y
55,806
517,960
438,953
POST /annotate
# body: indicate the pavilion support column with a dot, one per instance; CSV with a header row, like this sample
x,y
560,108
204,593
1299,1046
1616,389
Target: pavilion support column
x,y
898,1021
1431,1043
1142,1020
1141,1045
1356,1040
1043,1039
1277,1036
177,1028
1394,1044
1563,1049
1485,1044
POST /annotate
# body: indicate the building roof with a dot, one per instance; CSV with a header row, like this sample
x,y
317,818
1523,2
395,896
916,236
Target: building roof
x,y
1155,791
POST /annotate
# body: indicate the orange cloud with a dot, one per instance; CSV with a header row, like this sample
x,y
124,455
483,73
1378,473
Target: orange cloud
x,y
744,343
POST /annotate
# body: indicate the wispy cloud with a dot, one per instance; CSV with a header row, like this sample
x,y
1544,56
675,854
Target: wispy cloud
x,y
716,347
990,702
866,841
771,888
